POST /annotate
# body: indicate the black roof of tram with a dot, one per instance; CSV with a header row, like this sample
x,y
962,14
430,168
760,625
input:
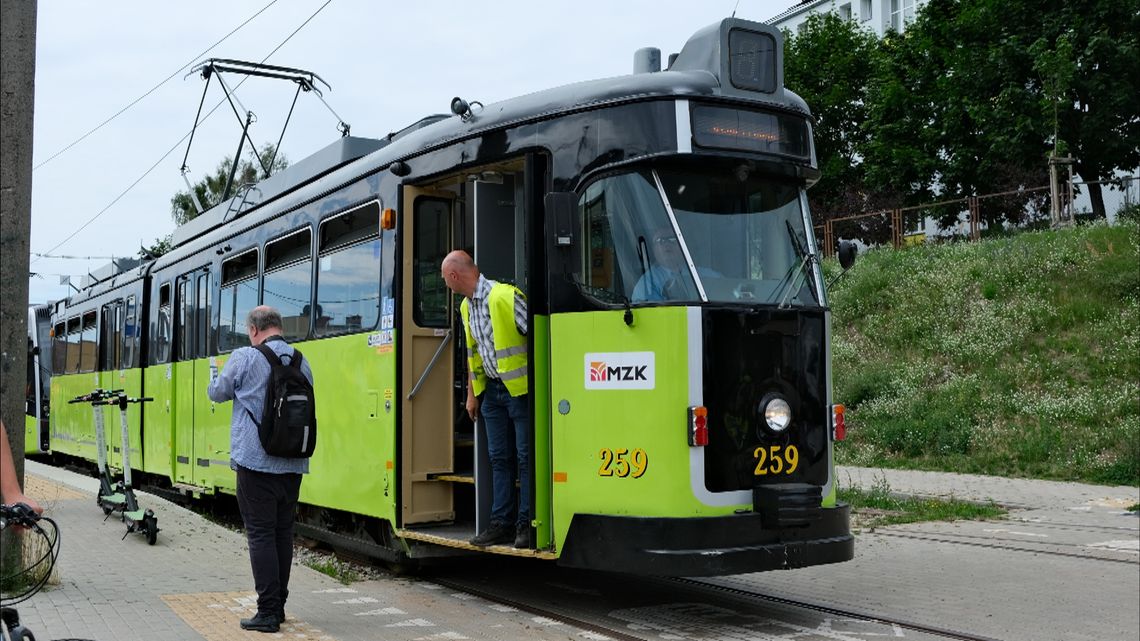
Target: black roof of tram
x,y
348,158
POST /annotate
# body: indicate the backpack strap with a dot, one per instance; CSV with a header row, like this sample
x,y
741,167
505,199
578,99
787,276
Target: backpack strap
x,y
274,360
269,354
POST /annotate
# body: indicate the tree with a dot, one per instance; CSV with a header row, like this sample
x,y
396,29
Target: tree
x,y
828,63
962,103
1101,123
17,88
160,247
211,188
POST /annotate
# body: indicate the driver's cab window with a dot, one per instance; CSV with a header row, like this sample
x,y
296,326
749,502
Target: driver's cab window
x,y
724,234
633,253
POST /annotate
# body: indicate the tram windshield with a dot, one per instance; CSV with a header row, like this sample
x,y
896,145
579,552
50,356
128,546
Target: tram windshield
x,y
742,238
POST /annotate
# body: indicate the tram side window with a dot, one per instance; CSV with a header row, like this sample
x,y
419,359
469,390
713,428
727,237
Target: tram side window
x,y
59,349
162,330
110,336
129,335
348,276
288,281
87,341
238,296
184,321
73,346
202,316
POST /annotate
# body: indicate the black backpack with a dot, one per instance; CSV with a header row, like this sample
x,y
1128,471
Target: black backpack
x,y
288,426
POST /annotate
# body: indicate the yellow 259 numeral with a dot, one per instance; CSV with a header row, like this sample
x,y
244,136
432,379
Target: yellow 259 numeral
x,y
775,459
615,463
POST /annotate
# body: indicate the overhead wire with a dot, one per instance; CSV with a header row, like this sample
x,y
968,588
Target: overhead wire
x,y
154,88
180,140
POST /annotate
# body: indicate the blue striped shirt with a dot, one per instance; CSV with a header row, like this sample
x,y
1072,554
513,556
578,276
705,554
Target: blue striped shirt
x,y
243,380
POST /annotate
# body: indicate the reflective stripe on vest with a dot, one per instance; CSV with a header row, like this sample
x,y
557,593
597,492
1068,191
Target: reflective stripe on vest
x,y
510,345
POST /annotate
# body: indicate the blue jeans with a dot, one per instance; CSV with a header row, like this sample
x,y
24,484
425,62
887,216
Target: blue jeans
x,y
507,421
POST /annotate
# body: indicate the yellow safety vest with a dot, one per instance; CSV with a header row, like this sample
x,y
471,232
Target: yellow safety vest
x,y
510,345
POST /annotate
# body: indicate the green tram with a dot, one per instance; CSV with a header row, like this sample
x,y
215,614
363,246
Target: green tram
x,y
681,427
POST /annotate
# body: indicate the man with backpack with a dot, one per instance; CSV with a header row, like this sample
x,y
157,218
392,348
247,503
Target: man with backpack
x,y
272,434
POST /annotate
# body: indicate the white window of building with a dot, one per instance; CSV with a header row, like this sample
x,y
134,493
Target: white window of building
x,y
865,10
902,14
845,11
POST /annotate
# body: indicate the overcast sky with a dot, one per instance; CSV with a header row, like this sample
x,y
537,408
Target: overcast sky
x,y
389,64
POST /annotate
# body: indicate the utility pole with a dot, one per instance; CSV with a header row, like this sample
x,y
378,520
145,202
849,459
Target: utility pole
x,y
17,98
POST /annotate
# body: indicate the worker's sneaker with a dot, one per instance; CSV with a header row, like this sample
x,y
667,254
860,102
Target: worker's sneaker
x,y
522,536
496,533
262,622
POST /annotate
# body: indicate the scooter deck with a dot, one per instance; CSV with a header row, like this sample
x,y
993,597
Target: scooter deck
x,y
137,515
116,499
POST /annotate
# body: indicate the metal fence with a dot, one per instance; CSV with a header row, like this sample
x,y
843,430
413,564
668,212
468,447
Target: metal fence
x,y
908,225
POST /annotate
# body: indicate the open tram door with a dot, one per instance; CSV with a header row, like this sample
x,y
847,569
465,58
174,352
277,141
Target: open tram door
x,y
445,470
427,366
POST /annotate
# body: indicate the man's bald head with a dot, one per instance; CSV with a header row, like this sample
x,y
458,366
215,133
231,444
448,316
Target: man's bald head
x,y
460,272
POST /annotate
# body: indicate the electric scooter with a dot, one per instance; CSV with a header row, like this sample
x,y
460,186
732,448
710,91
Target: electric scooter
x,y
108,497
119,497
137,519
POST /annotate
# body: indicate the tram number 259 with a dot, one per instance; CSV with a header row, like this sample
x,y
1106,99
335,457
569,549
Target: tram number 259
x,y
622,463
774,459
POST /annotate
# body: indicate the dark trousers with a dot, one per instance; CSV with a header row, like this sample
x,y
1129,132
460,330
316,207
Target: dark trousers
x,y
267,503
507,421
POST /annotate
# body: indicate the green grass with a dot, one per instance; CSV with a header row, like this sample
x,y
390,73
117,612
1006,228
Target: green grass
x,y
333,567
878,507
1017,355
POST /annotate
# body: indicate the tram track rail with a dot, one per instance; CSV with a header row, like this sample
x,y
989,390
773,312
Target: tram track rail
x,y
590,626
906,624
960,539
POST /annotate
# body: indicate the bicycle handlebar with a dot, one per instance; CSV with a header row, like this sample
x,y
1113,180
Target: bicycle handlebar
x,y
18,514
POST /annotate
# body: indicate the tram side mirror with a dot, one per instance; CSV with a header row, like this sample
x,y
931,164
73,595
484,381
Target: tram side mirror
x,y
847,253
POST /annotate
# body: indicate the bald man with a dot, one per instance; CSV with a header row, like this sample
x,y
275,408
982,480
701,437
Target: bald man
x,y
495,321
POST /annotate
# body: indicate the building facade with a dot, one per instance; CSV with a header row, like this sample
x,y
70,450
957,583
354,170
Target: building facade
x,y
879,16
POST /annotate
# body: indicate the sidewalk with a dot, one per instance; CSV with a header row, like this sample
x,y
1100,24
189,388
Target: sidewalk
x,y
1012,493
195,583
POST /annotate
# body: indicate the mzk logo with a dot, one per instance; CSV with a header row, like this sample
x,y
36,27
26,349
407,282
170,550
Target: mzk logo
x,y
599,371
620,370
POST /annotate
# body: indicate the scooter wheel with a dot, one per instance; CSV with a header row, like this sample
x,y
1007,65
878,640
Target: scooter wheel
x,y
151,525
106,508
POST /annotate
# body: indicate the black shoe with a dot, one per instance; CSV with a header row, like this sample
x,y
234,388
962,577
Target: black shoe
x,y
497,533
262,622
522,536
281,616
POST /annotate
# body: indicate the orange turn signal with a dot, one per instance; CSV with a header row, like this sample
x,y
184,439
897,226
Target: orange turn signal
x,y
388,219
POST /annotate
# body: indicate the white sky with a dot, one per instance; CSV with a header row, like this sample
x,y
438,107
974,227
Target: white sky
x,y
389,64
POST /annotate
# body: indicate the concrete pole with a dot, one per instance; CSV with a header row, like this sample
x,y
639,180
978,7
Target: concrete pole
x,y
17,98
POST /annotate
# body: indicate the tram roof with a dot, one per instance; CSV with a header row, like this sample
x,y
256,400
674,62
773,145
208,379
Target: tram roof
x,y
700,71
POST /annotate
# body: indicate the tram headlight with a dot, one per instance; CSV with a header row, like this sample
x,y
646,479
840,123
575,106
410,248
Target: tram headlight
x,y
777,412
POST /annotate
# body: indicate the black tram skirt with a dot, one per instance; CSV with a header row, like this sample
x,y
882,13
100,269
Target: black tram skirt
x,y
707,546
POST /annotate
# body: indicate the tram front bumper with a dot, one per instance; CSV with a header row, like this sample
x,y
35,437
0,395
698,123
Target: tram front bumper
x,y
706,546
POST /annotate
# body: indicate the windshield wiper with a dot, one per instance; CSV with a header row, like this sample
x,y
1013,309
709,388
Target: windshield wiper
x,y
800,268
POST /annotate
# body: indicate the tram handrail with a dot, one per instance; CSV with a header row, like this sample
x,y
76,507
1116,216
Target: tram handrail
x,y
430,365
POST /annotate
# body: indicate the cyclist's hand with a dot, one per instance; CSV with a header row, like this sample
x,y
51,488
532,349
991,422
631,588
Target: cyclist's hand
x,y
18,499
20,514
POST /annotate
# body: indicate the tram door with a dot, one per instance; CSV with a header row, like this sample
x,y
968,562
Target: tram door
x,y
426,346
190,329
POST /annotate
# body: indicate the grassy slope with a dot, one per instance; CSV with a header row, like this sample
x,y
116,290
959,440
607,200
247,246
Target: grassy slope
x,y
1015,356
